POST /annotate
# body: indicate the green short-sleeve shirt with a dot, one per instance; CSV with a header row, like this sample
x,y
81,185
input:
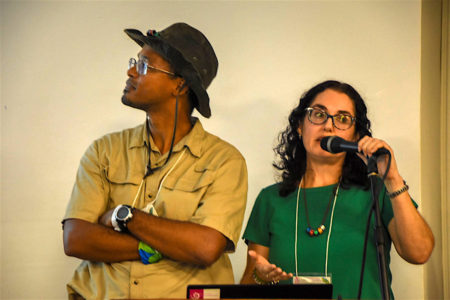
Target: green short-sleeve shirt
x,y
272,224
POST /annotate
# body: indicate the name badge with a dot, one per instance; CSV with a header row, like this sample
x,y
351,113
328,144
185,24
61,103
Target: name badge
x,y
311,279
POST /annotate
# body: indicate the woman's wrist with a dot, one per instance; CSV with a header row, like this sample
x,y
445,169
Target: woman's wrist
x,y
394,184
402,190
261,281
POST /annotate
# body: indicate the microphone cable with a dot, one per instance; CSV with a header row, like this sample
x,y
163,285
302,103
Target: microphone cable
x,y
366,235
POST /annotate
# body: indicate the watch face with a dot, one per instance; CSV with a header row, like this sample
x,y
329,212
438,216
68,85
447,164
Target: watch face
x,y
122,213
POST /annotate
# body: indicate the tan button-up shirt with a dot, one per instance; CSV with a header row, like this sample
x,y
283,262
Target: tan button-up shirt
x,y
207,186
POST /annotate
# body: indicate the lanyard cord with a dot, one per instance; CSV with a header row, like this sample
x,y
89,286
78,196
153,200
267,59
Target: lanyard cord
x,y
149,168
167,174
296,229
329,232
331,227
147,208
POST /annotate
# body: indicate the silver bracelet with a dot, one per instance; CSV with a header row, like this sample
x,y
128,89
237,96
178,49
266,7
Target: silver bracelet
x,y
258,280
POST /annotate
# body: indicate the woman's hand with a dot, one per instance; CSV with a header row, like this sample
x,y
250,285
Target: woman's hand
x,y
257,261
368,146
266,271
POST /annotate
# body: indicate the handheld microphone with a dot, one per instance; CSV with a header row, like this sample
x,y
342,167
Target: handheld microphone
x,y
335,144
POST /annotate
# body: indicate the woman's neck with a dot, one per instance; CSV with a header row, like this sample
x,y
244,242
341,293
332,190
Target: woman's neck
x,y
322,174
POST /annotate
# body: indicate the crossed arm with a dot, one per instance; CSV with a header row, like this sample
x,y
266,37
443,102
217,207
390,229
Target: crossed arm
x,y
182,241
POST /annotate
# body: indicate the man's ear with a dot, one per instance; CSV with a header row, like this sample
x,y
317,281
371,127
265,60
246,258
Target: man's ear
x,y
182,87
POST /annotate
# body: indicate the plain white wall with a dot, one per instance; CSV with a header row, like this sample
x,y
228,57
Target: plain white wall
x,y
63,69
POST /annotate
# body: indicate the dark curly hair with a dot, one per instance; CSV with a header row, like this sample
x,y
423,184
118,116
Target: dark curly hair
x,y
291,154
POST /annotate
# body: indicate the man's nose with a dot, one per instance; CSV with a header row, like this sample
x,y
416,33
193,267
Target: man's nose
x,y
132,72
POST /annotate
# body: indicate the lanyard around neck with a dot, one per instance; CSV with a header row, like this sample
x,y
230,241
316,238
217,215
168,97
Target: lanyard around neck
x,y
147,208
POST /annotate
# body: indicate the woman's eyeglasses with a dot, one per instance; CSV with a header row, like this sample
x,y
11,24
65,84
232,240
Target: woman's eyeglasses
x,y
341,121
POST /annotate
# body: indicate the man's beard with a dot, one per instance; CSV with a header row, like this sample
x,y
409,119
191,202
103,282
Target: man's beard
x,y
129,103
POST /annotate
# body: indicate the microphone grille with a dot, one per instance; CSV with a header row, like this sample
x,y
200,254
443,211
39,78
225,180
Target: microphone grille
x,y
325,143
331,144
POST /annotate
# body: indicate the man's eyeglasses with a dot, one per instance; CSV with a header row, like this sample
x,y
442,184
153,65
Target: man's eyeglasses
x,y
340,121
142,67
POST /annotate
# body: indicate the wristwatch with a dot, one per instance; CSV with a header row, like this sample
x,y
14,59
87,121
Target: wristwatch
x,y
122,214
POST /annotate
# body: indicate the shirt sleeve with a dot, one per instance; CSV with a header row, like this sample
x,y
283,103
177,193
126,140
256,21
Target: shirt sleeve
x,y
89,195
257,230
223,205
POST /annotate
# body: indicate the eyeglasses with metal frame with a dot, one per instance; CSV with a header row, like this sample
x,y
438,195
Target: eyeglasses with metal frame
x,y
341,121
142,67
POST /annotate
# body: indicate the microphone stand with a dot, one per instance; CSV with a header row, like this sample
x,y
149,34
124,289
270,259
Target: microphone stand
x,y
372,172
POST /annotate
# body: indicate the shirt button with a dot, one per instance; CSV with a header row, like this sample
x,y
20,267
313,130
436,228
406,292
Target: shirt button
x,y
136,282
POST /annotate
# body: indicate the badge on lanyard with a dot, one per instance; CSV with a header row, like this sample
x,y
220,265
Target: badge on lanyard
x,y
312,279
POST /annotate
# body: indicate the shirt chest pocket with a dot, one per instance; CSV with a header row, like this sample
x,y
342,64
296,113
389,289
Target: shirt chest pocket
x,y
122,186
182,194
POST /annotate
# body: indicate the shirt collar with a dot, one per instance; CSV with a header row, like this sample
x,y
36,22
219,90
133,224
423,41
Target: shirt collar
x,y
138,137
193,140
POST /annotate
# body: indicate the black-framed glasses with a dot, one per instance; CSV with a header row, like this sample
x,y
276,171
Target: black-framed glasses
x,y
142,67
341,121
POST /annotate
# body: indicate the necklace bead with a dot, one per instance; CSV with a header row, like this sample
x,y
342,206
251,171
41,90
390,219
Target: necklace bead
x,y
316,232
321,229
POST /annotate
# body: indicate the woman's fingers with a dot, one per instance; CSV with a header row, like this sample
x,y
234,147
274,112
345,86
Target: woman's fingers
x,y
267,271
368,145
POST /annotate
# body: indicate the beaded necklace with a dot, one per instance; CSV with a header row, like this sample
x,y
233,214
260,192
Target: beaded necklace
x,y
319,230
329,232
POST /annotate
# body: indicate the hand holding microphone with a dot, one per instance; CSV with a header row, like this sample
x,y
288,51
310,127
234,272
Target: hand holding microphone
x,y
370,147
335,144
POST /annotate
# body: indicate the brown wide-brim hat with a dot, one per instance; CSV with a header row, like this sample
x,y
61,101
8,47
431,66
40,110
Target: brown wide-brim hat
x,y
189,53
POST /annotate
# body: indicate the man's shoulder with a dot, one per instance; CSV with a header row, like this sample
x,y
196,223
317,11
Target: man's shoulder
x,y
213,145
216,141
125,137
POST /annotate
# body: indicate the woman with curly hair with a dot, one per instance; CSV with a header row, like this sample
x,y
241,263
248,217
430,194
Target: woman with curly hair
x,y
311,225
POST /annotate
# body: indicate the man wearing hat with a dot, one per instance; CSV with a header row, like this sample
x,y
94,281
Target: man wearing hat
x,y
156,207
